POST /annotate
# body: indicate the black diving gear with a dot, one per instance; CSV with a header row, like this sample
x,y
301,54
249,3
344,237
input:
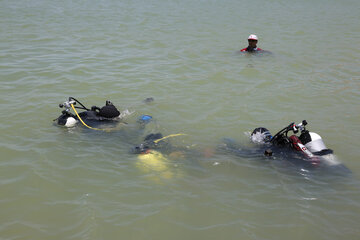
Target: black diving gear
x,y
151,141
107,113
306,150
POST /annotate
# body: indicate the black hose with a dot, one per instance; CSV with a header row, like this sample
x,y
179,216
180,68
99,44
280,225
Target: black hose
x,y
285,129
71,98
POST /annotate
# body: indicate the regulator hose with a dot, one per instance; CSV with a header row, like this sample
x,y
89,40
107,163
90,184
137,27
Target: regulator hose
x,y
99,129
71,98
168,136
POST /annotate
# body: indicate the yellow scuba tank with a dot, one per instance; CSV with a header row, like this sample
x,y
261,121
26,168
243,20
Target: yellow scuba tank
x,y
157,166
152,161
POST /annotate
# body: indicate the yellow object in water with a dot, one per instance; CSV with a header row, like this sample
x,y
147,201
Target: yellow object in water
x,y
153,161
157,166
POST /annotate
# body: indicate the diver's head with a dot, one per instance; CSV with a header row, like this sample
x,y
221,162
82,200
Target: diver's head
x,y
261,135
149,143
141,148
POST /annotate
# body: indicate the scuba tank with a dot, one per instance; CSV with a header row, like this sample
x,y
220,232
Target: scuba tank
x,y
309,143
314,143
66,118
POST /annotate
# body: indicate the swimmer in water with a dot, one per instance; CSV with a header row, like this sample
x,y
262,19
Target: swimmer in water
x,y
252,47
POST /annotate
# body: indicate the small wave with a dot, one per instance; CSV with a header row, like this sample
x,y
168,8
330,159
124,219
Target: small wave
x,y
125,113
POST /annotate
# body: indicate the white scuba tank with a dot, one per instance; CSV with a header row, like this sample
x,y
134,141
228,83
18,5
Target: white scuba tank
x,y
316,143
70,122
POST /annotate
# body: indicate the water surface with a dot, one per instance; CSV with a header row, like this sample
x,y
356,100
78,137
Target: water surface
x,y
79,184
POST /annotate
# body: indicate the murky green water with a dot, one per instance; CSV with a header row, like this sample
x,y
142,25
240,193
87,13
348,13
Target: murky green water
x,y
82,184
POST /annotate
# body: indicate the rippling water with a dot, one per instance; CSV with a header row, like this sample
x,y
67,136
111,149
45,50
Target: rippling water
x,y
82,184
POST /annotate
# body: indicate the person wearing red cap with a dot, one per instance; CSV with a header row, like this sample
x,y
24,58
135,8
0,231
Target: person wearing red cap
x,y
252,39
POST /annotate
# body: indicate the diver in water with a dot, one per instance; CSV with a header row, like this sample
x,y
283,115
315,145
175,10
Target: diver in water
x,y
156,142
93,116
307,150
155,147
261,136
156,156
148,144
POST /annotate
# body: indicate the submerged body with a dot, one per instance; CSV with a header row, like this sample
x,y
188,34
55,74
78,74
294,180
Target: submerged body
x,y
157,157
307,151
257,152
93,116
250,49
